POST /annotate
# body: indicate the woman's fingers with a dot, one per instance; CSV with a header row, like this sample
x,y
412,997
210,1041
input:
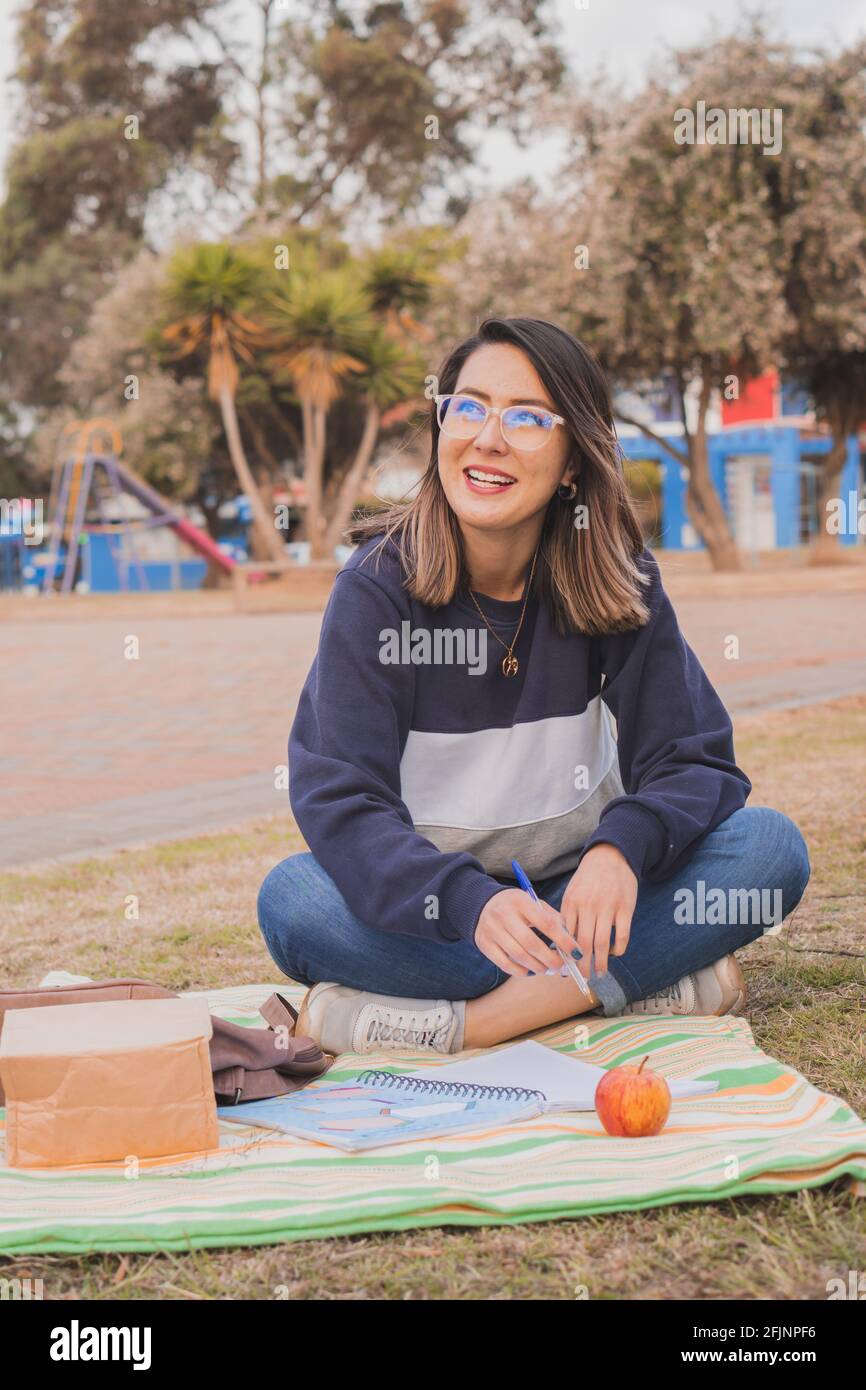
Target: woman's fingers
x,y
569,916
601,945
504,961
530,950
623,931
546,919
595,926
598,903
511,930
586,920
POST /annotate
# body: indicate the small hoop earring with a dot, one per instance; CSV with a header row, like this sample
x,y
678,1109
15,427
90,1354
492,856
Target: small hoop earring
x,y
570,491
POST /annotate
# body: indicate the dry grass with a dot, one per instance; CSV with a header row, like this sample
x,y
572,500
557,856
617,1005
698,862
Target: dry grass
x,y
196,928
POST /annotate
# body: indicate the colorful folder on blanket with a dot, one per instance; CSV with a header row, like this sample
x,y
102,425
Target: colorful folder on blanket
x,y
766,1129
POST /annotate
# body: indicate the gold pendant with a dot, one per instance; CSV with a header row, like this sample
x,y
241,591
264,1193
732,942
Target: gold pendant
x,y
509,665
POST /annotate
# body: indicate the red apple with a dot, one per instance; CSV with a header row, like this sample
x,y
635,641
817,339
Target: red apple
x,y
632,1102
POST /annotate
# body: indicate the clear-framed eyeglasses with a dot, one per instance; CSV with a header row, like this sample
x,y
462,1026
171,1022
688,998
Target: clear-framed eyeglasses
x,y
522,426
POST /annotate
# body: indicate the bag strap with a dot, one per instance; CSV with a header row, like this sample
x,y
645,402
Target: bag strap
x,y
229,1082
278,1012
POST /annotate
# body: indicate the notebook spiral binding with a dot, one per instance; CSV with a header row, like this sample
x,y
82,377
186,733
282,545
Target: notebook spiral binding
x,y
421,1085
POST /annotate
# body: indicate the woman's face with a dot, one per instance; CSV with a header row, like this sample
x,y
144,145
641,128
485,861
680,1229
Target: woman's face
x,y
491,484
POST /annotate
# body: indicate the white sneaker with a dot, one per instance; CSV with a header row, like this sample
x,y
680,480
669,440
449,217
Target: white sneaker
x,y
341,1019
717,989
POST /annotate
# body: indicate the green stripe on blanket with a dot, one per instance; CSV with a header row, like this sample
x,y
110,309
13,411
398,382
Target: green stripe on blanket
x,y
766,1130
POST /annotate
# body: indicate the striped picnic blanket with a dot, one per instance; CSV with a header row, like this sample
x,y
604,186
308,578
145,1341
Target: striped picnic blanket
x,y
767,1129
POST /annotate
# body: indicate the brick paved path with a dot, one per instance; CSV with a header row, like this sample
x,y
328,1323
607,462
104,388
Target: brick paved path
x,y
100,751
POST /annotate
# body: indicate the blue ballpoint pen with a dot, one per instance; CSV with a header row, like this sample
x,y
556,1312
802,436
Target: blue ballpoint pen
x,y
570,964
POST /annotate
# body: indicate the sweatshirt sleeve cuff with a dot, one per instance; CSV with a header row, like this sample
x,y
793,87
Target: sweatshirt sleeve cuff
x,y
637,833
463,900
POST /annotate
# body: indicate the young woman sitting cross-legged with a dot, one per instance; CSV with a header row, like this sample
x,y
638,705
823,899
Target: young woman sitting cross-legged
x,y
457,718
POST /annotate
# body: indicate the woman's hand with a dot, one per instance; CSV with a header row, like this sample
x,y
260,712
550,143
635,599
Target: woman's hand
x,y
601,895
505,935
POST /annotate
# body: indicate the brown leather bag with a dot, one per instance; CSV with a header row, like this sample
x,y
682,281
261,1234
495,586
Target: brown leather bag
x,y
247,1063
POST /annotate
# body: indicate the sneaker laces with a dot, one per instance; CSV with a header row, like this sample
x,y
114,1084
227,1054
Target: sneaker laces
x,y
669,995
381,1030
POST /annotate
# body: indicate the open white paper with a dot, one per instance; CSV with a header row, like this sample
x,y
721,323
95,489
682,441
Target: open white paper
x,y
566,1082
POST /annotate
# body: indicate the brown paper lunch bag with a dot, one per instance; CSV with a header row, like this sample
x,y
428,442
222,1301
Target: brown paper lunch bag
x,y
247,1063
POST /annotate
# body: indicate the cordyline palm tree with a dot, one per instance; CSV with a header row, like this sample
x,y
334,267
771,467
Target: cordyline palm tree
x,y
399,282
345,333
391,374
321,324
209,286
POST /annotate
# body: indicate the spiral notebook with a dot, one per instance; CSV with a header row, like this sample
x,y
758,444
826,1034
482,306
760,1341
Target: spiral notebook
x,y
564,1081
381,1107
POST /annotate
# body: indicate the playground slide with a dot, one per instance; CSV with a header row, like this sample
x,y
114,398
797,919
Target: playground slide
x,y
200,542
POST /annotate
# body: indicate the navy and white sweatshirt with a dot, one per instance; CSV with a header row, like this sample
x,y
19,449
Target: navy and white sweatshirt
x,y
417,771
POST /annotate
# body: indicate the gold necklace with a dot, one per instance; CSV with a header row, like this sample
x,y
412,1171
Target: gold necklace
x,y
510,664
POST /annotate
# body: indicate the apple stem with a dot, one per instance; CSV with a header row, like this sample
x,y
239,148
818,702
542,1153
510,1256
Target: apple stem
x,y
640,1068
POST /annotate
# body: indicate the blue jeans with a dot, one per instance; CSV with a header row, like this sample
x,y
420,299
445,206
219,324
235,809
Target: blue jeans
x,y
313,936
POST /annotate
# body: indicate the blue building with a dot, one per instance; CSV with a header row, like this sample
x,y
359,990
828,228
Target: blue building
x,y
766,476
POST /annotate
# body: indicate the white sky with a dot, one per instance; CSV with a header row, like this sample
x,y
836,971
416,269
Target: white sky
x,y
623,37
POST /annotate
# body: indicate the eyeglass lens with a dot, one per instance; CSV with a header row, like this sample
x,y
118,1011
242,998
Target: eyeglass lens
x,y
523,426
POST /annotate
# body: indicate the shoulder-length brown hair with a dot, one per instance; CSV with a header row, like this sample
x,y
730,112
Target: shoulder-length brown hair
x,y
588,575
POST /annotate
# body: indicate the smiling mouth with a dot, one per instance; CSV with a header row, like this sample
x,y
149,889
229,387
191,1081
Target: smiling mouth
x,y
488,480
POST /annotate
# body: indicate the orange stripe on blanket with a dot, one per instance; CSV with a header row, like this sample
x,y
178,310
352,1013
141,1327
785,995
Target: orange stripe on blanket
x,y
729,1130
759,1088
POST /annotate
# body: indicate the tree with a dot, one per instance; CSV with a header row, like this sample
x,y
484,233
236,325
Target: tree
x,y
210,288
389,376
103,127
705,262
341,339
821,203
320,323
372,103
157,390
686,254
171,433
360,108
